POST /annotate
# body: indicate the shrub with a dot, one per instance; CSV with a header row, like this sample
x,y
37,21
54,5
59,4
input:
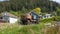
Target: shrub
x,y
47,20
57,18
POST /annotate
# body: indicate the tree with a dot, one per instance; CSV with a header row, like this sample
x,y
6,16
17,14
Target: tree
x,y
37,10
58,11
17,5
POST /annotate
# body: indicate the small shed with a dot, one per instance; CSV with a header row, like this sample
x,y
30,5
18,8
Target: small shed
x,y
8,17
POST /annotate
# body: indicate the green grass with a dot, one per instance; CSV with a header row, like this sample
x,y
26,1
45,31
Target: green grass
x,y
17,13
41,28
30,29
9,29
19,29
13,12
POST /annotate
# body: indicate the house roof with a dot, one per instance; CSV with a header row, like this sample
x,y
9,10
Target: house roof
x,y
8,14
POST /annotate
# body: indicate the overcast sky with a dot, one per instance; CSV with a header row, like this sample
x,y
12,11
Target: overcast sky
x,y
1,0
4,0
57,1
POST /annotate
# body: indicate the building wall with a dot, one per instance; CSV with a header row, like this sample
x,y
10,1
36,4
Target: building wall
x,y
12,20
46,16
5,18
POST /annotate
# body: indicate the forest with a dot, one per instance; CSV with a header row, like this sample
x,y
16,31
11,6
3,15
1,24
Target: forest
x,y
18,5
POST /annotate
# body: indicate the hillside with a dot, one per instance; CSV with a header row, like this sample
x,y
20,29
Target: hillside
x,y
17,5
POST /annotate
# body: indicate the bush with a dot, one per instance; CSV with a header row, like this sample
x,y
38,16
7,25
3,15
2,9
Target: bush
x,y
57,18
47,20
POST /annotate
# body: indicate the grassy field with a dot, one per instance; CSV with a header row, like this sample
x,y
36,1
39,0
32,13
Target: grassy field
x,y
42,28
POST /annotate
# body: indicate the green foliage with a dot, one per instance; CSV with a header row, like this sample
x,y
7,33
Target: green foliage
x,y
31,29
57,18
20,29
47,20
28,29
13,12
17,5
58,11
24,10
37,10
9,29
